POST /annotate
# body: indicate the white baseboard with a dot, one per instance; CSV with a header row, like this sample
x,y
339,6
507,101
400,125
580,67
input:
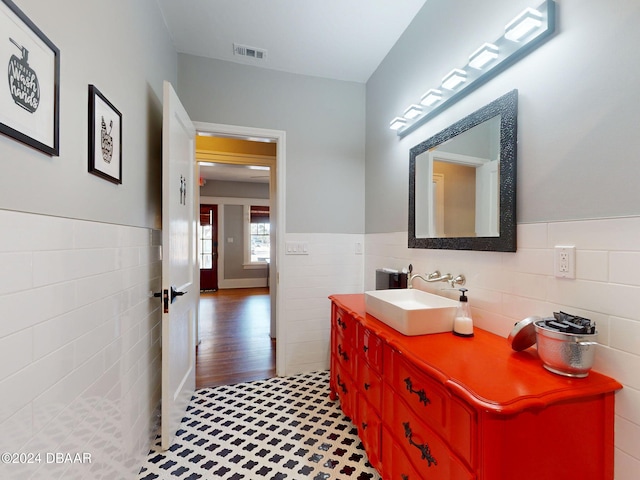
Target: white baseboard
x,y
242,283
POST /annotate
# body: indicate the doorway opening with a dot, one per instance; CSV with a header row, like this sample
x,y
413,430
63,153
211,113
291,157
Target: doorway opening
x,y
236,345
240,207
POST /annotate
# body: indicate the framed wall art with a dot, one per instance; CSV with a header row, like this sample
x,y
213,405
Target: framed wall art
x,y
29,99
105,137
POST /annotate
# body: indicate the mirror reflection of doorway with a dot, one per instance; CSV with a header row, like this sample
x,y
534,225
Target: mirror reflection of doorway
x,y
208,248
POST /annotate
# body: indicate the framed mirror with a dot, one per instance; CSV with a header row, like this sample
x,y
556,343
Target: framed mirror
x,y
462,182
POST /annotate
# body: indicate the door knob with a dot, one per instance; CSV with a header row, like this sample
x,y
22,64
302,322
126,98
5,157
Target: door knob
x,y
175,293
165,297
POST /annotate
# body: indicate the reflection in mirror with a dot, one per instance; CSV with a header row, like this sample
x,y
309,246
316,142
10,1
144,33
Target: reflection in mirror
x,y
461,177
462,182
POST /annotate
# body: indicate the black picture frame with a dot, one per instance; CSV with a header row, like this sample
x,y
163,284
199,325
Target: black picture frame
x,y
105,137
30,100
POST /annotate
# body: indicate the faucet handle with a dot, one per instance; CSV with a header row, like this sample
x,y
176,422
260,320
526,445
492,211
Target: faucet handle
x,y
433,275
459,280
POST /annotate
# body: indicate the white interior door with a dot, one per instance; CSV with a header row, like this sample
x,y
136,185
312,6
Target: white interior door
x,y
487,199
424,193
437,218
180,274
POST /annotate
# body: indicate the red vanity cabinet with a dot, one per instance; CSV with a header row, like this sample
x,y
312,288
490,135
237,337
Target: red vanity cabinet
x,y
443,407
369,398
343,359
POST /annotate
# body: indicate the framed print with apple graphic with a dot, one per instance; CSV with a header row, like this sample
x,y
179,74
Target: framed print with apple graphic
x,y
29,99
105,137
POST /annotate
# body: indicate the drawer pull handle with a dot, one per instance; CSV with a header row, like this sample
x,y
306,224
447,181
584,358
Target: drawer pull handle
x,y
341,385
367,386
364,426
341,323
422,395
424,448
342,353
365,348
404,477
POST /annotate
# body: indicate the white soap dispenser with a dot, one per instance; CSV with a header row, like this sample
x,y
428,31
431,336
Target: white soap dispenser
x,y
463,323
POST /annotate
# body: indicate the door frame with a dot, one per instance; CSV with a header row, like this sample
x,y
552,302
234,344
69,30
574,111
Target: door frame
x,y
276,268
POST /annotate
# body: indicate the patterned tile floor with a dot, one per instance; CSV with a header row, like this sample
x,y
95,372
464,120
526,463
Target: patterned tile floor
x,y
280,428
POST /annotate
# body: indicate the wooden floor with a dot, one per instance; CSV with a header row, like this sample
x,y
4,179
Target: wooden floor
x,y
235,342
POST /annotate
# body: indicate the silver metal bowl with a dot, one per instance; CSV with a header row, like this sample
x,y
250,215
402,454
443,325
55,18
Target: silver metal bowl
x,y
566,354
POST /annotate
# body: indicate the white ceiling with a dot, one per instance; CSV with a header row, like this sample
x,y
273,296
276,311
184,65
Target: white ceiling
x,y
234,173
337,39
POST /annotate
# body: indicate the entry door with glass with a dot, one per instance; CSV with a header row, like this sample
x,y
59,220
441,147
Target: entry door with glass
x,y
208,243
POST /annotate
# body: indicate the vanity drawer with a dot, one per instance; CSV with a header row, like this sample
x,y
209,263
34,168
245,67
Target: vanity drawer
x,y
370,347
443,413
395,462
422,394
346,390
344,324
369,384
345,353
369,429
424,449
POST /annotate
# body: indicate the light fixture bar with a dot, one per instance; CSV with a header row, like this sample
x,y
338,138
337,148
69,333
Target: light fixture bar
x,y
430,98
454,79
412,111
523,34
397,123
527,21
483,56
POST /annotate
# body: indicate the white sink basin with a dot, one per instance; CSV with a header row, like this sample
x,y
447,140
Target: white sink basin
x,y
411,311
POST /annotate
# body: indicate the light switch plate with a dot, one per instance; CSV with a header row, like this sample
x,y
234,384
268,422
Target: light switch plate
x,y
296,248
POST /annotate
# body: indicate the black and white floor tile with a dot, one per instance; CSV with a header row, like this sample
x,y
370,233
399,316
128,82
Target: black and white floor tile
x,y
280,428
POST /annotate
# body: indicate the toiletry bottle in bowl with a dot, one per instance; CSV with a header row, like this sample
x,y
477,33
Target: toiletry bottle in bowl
x,y
463,323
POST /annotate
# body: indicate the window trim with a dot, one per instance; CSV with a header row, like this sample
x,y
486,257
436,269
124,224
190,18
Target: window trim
x,y
246,217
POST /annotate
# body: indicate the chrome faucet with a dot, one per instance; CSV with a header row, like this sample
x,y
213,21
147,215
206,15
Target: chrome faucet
x,y
438,277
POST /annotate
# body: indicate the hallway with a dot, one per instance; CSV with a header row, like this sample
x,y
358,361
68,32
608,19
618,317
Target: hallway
x,y
235,345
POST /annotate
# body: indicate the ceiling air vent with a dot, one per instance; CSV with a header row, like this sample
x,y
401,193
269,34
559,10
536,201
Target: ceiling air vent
x,y
249,52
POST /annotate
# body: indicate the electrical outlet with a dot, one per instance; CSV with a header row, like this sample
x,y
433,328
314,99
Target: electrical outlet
x,y
565,261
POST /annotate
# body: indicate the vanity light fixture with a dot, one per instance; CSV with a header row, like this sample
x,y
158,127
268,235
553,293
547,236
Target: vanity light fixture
x,y
454,79
430,98
483,56
527,21
397,123
413,111
523,34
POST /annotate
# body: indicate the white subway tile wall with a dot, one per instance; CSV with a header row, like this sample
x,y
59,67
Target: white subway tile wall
x,y
79,345
332,266
507,287
80,337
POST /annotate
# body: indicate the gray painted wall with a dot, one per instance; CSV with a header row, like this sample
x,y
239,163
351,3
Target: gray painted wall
x,y
234,252
73,293
324,124
578,120
123,48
